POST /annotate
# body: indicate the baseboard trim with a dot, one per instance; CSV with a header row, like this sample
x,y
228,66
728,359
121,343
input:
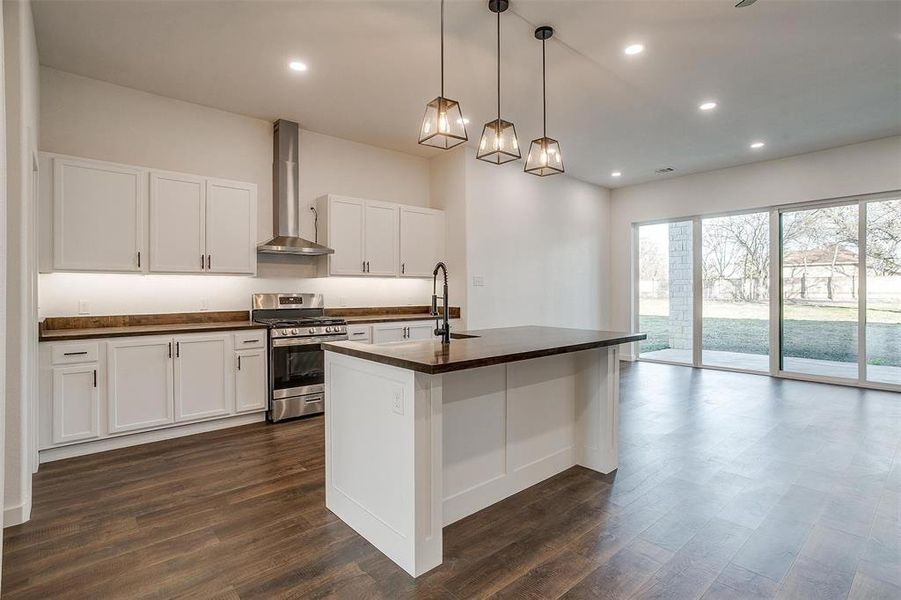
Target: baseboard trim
x,y
16,515
157,435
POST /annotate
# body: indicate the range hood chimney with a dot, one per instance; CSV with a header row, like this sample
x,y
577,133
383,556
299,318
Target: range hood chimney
x,y
285,201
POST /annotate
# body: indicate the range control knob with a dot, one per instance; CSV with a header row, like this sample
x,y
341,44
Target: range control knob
x,y
312,330
328,329
293,332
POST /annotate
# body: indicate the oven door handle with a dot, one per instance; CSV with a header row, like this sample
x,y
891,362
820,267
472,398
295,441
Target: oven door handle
x,y
310,341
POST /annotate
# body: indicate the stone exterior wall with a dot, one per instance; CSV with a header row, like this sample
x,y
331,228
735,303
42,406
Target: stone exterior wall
x,y
680,287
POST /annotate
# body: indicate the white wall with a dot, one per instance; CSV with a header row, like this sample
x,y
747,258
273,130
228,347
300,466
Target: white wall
x,y
3,259
539,245
94,119
21,77
869,167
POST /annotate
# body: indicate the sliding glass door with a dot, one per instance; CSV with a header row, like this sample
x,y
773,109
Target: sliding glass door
x,y
808,291
735,267
883,291
665,305
820,262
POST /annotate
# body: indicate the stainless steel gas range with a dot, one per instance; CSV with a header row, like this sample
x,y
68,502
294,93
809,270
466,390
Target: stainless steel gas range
x,y
297,325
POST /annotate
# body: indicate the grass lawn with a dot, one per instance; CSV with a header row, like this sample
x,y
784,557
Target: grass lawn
x,y
824,340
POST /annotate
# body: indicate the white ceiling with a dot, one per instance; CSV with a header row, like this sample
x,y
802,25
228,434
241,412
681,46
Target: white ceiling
x,y
801,75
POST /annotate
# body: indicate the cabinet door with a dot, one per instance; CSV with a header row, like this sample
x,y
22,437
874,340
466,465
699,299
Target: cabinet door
x,y
139,383
421,241
177,223
345,236
231,226
201,377
380,239
98,213
384,333
251,389
421,330
76,403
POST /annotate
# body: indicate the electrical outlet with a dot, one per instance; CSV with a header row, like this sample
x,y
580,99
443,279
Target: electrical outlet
x,y
342,301
83,307
204,304
478,281
397,404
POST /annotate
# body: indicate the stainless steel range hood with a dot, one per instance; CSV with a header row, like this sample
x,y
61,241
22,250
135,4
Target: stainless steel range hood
x,y
285,202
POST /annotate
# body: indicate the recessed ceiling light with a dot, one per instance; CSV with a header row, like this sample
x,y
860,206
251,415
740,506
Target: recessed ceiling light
x,y
296,65
709,105
634,49
615,174
756,145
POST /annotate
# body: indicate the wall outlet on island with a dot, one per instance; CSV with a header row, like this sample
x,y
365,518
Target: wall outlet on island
x,y
397,403
83,307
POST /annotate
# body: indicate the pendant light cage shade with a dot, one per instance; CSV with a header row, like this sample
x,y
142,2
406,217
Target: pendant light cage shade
x,y
544,157
442,125
499,144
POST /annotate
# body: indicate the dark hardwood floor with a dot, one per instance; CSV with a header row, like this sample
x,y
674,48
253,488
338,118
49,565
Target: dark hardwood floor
x,y
729,486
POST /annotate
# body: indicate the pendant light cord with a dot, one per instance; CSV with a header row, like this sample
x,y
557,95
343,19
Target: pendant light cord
x,y
442,48
543,89
498,68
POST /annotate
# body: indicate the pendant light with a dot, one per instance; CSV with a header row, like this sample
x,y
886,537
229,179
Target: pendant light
x,y
498,144
442,125
544,153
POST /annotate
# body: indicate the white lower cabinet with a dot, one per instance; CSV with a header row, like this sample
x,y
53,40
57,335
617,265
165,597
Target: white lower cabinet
x,y
250,380
140,378
202,386
76,403
110,387
383,333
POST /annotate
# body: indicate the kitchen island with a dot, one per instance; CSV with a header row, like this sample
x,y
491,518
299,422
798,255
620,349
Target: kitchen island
x,y
420,434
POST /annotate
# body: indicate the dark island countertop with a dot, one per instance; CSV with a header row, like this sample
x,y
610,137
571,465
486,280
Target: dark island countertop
x,y
483,347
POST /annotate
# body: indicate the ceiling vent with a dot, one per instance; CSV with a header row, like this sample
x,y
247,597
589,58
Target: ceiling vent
x,y
664,170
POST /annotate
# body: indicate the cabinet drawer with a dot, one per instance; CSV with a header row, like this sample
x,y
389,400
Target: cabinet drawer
x,y
250,339
359,333
74,353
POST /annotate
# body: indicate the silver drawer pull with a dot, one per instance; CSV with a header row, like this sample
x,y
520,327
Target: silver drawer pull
x,y
74,353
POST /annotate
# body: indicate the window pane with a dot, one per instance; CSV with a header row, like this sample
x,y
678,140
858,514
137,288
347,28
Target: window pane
x,y
819,291
665,291
884,291
735,266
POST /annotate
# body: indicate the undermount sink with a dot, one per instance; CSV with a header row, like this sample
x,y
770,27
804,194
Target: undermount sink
x,y
462,336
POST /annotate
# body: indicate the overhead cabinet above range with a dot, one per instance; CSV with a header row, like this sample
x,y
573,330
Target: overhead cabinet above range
x,y
120,218
374,238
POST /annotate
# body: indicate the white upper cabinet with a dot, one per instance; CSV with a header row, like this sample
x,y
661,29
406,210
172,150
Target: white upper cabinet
x,y
115,218
177,218
380,238
421,240
345,229
231,225
98,216
202,378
